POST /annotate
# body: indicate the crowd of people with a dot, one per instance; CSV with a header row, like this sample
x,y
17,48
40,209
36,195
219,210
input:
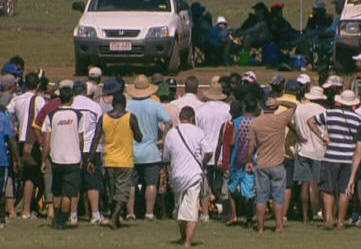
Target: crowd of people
x,y
92,148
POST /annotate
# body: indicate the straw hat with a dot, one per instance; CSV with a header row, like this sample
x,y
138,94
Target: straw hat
x,y
315,93
141,87
215,92
347,98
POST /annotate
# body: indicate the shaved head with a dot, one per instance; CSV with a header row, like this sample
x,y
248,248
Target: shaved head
x,y
191,85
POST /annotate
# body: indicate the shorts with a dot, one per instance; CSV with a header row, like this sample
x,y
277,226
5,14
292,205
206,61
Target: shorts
x,y
32,172
306,169
66,180
4,176
289,165
93,181
187,203
334,177
271,182
146,173
120,182
241,183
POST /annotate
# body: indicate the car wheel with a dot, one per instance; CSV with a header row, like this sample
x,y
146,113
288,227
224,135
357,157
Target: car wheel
x,y
188,59
10,8
81,66
174,61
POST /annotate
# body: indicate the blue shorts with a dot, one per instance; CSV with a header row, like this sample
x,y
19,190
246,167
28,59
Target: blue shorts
x,y
241,183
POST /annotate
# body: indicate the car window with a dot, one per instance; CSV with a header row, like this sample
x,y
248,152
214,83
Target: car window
x,y
130,5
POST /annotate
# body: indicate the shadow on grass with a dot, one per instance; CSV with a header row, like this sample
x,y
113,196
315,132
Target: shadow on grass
x,y
180,242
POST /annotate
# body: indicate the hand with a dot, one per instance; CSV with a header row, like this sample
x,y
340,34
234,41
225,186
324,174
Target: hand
x,y
249,167
271,102
16,166
350,188
44,167
325,139
91,168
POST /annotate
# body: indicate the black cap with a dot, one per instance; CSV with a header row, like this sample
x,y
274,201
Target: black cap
x,y
292,86
79,86
112,85
260,6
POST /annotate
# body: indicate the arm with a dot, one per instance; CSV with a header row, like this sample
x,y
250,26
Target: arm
x,y
81,141
287,104
167,127
355,165
46,150
207,157
300,138
15,153
314,128
251,149
95,141
138,136
219,145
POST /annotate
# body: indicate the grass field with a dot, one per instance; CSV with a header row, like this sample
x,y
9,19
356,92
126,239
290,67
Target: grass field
x,y
42,29
163,234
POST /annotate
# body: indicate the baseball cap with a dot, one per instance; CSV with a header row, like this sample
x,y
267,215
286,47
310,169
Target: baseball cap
x,y
333,80
277,5
357,57
66,83
319,5
112,85
277,79
221,19
292,86
7,81
11,68
95,72
79,86
249,76
303,79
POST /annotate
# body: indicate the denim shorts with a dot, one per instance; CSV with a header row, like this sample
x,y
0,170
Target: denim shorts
x,y
306,169
271,182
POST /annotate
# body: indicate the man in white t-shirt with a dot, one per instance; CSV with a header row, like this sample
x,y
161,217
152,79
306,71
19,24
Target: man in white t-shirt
x,y
92,183
210,117
309,152
63,140
186,158
190,97
20,108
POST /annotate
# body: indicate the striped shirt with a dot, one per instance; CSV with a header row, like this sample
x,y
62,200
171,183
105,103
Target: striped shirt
x,y
342,126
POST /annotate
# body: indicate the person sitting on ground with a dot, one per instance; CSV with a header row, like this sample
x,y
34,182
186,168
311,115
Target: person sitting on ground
x,y
63,131
187,149
119,128
269,142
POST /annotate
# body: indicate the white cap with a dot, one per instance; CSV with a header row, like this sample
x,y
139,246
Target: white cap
x,y
66,83
304,79
357,57
333,80
221,19
249,76
95,72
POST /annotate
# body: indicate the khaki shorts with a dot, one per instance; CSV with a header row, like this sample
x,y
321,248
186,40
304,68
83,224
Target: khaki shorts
x,y
188,203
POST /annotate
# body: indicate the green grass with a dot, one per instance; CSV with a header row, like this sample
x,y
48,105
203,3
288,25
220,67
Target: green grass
x,y
41,31
162,234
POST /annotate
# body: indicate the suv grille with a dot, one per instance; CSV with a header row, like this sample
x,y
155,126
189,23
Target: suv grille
x,y
114,33
137,50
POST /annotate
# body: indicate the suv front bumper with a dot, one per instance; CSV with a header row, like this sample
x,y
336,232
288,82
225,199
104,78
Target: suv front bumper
x,y
143,51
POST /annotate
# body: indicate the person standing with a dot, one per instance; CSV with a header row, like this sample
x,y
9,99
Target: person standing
x,y
341,124
92,183
190,97
210,118
309,152
267,137
187,149
64,129
149,114
25,107
119,128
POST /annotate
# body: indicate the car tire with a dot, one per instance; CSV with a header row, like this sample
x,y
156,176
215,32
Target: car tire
x,y
173,63
81,66
188,58
9,8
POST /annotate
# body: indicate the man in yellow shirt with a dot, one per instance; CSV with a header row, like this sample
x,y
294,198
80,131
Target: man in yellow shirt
x,y
119,128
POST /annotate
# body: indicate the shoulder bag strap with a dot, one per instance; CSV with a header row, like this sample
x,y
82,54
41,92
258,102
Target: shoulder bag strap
x,y
189,149
31,115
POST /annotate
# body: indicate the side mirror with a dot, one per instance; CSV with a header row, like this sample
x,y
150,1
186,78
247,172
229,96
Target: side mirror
x,y
79,6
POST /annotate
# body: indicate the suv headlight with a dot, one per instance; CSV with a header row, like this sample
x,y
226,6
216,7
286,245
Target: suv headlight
x,y
158,32
350,29
86,32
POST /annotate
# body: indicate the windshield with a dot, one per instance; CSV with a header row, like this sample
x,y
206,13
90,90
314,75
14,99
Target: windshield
x,y
354,2
130,5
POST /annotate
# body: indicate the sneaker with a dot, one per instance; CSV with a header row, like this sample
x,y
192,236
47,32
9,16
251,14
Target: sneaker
x,y
204,218
99,221
73,221
131,217
28,216
150,217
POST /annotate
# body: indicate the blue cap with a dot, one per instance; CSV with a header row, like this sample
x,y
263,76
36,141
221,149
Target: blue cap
x,y
11,68
112,85
79,86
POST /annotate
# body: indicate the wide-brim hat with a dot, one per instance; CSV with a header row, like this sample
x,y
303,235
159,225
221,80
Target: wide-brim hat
x,y
215,92
347,98
141,87
315,93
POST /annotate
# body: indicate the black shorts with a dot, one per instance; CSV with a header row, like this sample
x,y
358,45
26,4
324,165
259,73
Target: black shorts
x,y
4,176
147,174
289,166
334,177
92,181
66,180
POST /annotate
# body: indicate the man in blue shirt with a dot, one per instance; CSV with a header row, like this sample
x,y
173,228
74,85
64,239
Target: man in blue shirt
x,y
146,153
6,140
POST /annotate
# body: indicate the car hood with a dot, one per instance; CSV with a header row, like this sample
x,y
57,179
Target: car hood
x,y
124,19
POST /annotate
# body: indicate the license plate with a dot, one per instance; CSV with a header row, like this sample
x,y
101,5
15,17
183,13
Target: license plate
x,y
120,46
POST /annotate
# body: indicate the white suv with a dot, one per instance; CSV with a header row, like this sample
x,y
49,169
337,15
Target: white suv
x,y
133,31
